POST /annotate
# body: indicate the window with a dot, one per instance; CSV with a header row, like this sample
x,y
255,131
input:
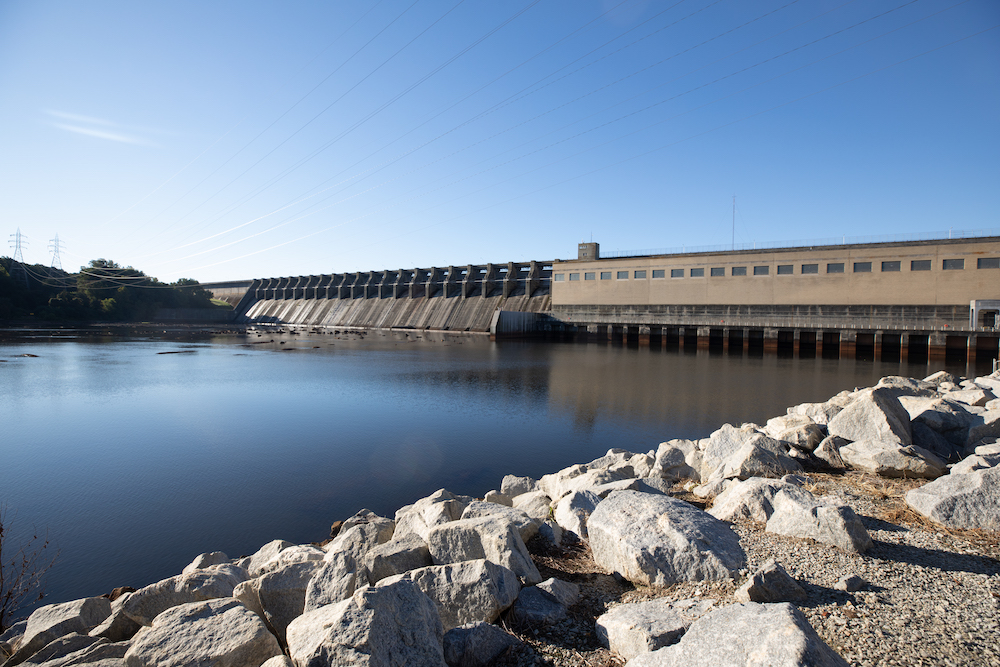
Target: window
x,y
988,263
717,271
761,270
890,266
676,273
559,277
574,276
920,265
658,273
640,275
739,271
810,268
862,267
953,264
605,275
836,267
786,269
697,273
589,276
623,275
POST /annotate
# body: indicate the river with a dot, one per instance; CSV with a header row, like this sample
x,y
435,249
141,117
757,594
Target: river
x,y
135,454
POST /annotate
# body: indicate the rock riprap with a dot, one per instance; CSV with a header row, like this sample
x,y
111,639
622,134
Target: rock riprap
x,y
657,540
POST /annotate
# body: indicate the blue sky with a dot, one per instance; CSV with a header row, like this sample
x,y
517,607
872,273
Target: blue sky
x,y
233,140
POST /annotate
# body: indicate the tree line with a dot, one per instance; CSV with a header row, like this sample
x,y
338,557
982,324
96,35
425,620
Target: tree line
x,y
102,290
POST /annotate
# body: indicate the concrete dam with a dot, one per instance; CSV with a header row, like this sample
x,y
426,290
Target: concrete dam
x,y
478,298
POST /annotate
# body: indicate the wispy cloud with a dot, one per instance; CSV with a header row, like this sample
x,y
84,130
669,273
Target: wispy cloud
x,y
95,127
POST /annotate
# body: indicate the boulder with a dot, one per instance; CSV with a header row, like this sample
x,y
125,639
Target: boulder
x,y
828,451
713,488
826,519
976,462
361,533
929,439
722,444
535,504
396,557
776,635
221,633
677,459
99,654
477,645
948,418
963,500
300,553
759,456
118,626
440,507
820,413
215,581
475,590
978,397
490,537
282,594
551,532
536,607
991,382
334,581
498,498
206,560
574,510
890,459
640,627
753,499
279,661
985,425
941,376
566,592
526,526
564,482
657,540
53,621
904,386
259,560
515,486
771,583
57,651
874,414
849,583
386,625
798,430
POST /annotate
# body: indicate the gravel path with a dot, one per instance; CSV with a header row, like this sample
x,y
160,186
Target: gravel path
x,y
932,596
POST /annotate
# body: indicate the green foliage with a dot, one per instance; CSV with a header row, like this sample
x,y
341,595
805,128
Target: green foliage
x,y
102,290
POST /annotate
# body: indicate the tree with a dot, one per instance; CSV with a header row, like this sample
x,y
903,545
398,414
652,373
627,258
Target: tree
x,y
22,569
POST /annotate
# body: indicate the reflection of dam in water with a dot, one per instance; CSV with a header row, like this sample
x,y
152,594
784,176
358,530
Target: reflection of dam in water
x,y
594,383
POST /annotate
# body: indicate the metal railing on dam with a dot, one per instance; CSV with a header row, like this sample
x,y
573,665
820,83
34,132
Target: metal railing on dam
x,y
456,298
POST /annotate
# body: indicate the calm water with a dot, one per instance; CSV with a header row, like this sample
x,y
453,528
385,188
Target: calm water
x,y
135,461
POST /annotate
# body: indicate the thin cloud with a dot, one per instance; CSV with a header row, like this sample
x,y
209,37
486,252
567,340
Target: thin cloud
x,y
77,118
104,134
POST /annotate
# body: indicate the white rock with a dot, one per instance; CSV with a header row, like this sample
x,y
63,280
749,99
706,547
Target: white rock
x,y
526,526
890,459
978,397
215,581
969,500
220,633
826,519
265,554
118,626
360,534
798,430
874,414
384,625
573,511
334,581
741,635
396,557
491,538
678,459
205,560
753,499
467,592
476,645
985,425
440,507
770,583
759,456
722,444
279,661
640,627
828,452
53,621
498,498
658,540
515,486
535,504
282,593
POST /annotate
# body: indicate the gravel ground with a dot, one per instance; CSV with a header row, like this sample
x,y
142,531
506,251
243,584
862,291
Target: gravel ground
x,y
932,596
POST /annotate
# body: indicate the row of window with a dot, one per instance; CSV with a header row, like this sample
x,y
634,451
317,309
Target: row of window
x,y
788,269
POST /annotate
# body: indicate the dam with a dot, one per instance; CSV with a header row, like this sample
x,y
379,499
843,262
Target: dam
x,y
892,300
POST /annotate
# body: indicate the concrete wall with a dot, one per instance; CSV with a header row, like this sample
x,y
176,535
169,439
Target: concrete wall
x,y
905,287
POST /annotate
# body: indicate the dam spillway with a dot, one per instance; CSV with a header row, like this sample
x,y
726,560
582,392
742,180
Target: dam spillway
x,y
456,298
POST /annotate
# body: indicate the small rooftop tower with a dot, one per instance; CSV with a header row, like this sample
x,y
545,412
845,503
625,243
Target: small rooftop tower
x,y
588,251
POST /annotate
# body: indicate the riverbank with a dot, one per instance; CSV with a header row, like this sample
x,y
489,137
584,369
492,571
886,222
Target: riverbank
x,y
827,491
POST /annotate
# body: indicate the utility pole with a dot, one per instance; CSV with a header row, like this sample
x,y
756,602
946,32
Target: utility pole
x,y
54,247
17,266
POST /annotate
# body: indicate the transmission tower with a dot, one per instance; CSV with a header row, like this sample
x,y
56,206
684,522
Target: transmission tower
x,y
17,270
54,247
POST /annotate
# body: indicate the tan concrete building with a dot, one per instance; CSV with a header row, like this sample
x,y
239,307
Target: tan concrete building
x,y
931,290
